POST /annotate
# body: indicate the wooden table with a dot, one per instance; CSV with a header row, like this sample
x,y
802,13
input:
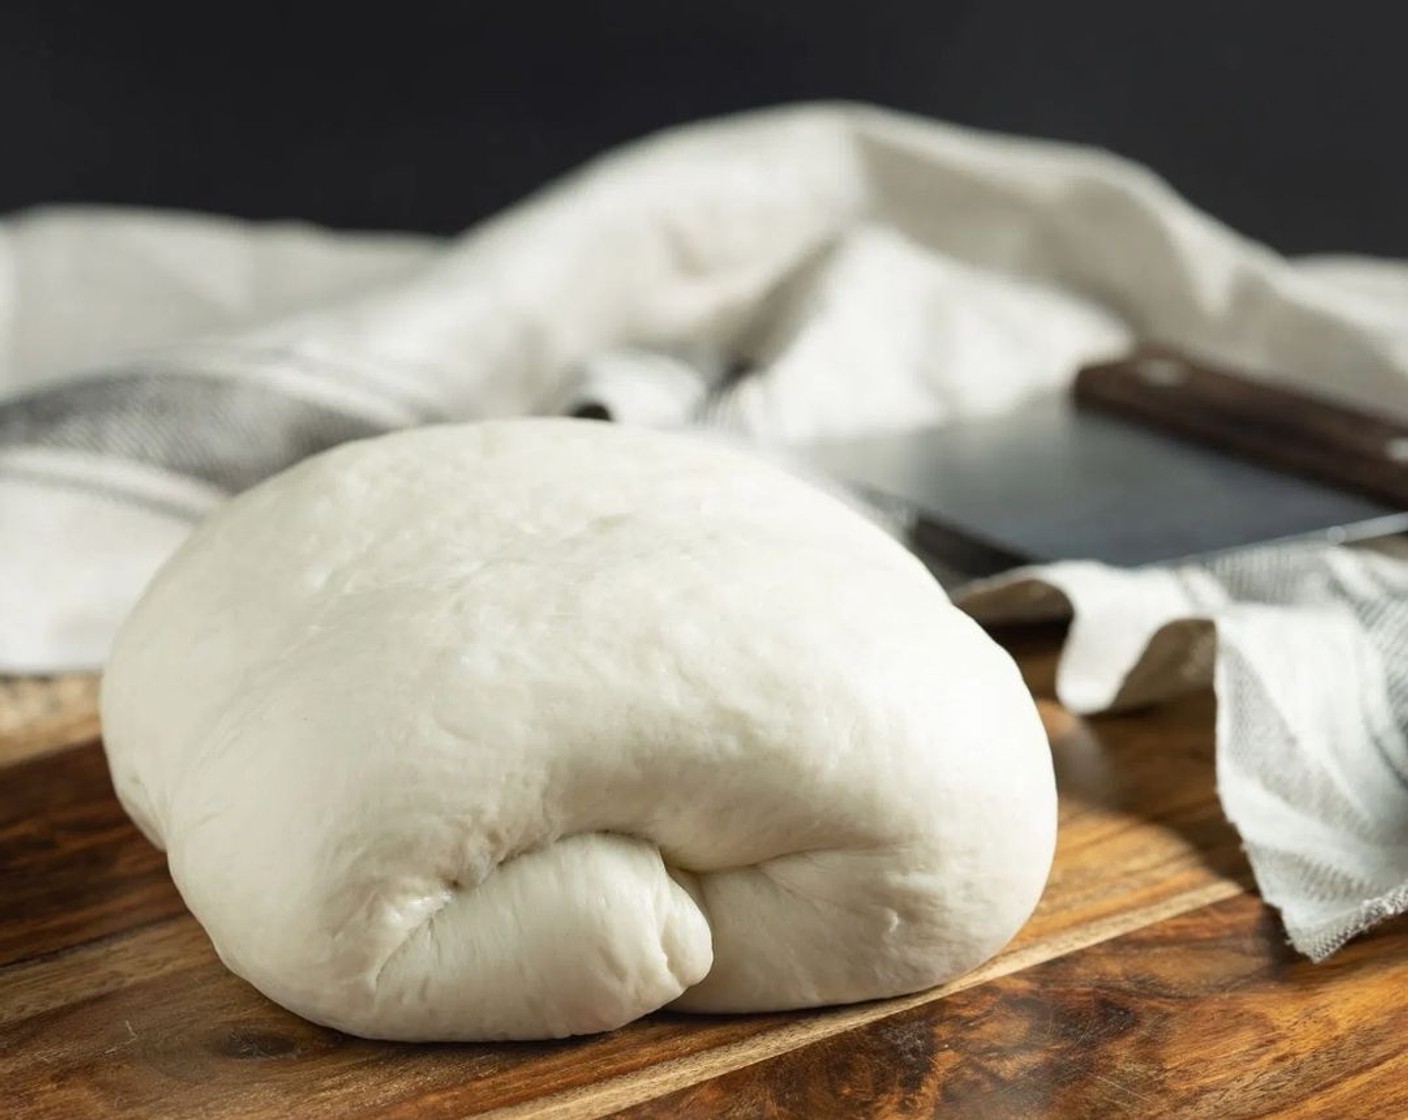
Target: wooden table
x,y
1151,982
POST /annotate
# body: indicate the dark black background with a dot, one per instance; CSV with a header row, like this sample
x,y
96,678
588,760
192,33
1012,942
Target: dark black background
x,y
1288,120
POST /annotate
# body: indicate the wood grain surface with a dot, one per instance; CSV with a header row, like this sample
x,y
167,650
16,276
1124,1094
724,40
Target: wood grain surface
x,y
1207,1013
1149,983
39,714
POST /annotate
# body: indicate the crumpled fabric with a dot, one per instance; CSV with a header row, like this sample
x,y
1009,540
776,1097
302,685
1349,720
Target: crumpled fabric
x,y
807,273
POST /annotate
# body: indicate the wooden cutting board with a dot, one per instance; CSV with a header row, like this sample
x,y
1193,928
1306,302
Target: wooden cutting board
x,y
1149,983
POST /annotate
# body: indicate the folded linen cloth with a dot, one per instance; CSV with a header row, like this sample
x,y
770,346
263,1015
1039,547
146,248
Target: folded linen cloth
x,y
1307,649
815,271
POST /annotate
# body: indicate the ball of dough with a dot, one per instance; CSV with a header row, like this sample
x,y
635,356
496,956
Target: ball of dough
x,y
524,729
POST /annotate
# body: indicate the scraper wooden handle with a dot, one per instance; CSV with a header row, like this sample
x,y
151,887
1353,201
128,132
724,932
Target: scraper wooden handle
x,y
1254,419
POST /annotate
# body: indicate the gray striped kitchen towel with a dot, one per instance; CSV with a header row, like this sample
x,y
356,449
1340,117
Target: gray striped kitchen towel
x,y
815,272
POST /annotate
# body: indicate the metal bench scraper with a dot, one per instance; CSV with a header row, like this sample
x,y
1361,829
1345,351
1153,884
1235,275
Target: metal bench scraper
x,y
1151,459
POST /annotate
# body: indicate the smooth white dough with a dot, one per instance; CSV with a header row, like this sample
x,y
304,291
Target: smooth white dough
x,y
527,728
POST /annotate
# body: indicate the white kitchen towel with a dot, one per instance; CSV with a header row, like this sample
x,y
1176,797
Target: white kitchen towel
x,y
794,274
1307,648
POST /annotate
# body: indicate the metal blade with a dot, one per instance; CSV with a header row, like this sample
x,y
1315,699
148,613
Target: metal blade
x,y
1049,481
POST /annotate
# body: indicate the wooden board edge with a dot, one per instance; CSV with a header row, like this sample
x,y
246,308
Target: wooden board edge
x,y
595,1101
